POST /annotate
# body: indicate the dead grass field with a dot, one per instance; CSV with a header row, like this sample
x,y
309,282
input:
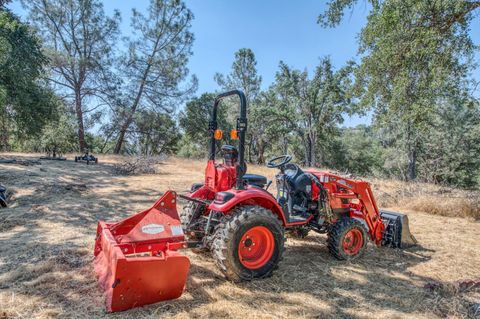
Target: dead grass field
x,y
47,235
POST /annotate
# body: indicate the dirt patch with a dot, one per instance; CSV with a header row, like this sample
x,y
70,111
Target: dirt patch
x,y
63,188
19,161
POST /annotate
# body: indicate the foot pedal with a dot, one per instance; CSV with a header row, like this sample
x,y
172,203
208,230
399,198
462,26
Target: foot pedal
x,y
297,218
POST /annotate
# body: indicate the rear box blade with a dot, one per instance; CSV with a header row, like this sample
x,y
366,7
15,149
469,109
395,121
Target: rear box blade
x,y
136,261
397,231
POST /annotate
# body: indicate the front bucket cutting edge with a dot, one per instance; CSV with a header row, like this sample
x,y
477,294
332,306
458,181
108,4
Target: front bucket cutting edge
x,y
397,231
136,261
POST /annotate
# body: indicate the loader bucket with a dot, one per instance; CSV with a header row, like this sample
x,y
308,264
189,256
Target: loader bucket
x,y
397,232
136,261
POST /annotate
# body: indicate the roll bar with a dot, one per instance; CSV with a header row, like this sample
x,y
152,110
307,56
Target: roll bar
x,y
241,128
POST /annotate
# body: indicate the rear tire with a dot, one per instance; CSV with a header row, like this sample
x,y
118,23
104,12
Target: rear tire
x,y
347,239
248,243
186,216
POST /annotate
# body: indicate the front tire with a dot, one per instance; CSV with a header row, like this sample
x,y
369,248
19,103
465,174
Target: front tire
x,y
248,244
347,239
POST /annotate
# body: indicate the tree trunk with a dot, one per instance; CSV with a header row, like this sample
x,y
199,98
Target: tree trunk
x,y
129,120
307,152
313,157
121,136
412,164
249,150
133,109
4,131
309,149
79,113
261,151
412,153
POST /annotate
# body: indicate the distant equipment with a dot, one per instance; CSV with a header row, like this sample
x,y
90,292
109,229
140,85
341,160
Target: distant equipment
x,y
87,157
3,196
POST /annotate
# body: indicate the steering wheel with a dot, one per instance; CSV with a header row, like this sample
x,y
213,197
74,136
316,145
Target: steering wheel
x,y
279,161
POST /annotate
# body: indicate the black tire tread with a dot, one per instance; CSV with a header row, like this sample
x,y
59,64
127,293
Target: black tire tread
x,y
335,237
224,233
186,215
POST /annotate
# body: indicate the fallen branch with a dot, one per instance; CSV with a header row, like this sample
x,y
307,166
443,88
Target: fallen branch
x,y
53,158
138,165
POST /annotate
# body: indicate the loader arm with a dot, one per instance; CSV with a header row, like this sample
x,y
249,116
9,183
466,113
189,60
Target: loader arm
x,y
360,190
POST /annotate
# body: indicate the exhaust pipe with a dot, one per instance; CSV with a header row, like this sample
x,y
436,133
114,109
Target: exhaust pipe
x,y
397,232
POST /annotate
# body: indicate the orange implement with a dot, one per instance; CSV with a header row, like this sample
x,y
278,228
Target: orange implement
x,y
136,261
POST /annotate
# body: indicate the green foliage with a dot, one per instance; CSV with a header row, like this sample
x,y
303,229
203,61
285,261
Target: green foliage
x,y
59,137
194,122
25,104
156,133
336,10
357,151
194,118
155,66
413,75
312,108
189,148
452,146
269,131
415,54
244,76
96,143
79,39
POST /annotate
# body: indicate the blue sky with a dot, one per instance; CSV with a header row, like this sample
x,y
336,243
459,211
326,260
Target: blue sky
x,y
274,29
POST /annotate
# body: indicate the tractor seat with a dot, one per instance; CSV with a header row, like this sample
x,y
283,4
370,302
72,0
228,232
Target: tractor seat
x,y
256,180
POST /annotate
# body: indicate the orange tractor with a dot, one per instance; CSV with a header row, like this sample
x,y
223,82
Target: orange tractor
x,y
233,215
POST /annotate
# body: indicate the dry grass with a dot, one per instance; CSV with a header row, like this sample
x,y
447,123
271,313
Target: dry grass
x,y
428,198
46,244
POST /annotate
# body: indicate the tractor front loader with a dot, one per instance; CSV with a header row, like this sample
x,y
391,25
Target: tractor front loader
x,y
233,215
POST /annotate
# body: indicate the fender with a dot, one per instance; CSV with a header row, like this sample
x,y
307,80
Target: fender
x,y
202,193
250,196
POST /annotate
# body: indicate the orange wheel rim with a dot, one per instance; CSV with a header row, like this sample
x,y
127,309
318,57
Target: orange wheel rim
x,y
256,247
352,241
